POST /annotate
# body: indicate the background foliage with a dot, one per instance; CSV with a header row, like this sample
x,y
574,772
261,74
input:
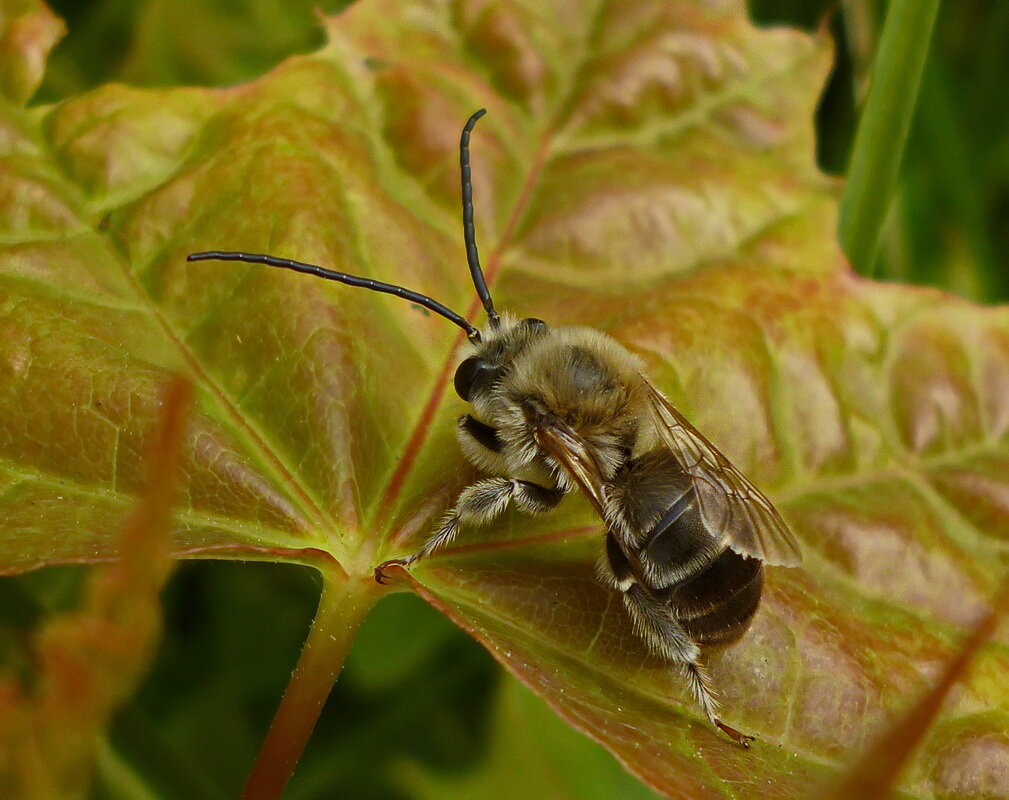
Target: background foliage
x,y
420,703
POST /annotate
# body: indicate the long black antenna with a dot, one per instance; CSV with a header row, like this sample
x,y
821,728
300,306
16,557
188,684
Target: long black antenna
x,y
472,257
342,277
469,234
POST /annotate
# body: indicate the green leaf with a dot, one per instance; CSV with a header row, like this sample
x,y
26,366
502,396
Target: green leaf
x,y
311,421
646,169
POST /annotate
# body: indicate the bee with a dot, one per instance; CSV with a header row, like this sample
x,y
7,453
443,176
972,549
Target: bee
x,y
559,409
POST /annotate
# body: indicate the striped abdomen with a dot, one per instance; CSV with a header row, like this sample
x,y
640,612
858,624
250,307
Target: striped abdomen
x,y
712,591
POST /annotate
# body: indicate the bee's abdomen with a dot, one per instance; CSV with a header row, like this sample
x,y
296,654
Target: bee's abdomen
x,y
716,605
711,591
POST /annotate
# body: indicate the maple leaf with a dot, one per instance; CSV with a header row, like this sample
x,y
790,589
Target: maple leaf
x,y
645,169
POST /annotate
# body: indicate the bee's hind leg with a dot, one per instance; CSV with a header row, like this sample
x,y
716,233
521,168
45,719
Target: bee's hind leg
x,y
666,637
480,504
700,687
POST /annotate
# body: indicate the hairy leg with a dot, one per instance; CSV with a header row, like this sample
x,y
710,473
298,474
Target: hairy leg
x,y
480,504
654,622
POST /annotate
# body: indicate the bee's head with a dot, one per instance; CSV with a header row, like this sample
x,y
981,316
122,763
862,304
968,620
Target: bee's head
x,y
491,357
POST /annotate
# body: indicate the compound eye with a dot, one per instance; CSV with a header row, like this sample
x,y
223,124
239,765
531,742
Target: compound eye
x,y
534,325
474,373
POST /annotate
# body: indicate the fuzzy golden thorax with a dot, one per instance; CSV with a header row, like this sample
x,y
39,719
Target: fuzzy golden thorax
x,y
578,376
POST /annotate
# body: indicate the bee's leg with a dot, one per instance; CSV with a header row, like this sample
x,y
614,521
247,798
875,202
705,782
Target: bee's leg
x,y
700,687
481,444
655,624
651,617
480,504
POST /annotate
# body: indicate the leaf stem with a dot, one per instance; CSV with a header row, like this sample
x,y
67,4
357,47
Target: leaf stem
x,y
882,131
343,606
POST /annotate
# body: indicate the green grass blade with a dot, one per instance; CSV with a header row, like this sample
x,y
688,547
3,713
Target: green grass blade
x,y
883,128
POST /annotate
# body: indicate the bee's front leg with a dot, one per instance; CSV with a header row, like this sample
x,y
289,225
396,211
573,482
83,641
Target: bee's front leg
x,y
480,504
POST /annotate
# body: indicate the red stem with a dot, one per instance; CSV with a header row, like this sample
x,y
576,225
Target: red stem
x,y
343,606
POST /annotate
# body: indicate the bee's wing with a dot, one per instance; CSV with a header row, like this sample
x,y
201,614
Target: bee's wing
x,y
569,450
733,509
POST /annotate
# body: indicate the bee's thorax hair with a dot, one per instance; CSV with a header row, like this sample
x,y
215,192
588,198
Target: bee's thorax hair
x,y
579,376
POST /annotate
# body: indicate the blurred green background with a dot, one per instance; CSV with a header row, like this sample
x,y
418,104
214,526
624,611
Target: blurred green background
x,y
421,710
